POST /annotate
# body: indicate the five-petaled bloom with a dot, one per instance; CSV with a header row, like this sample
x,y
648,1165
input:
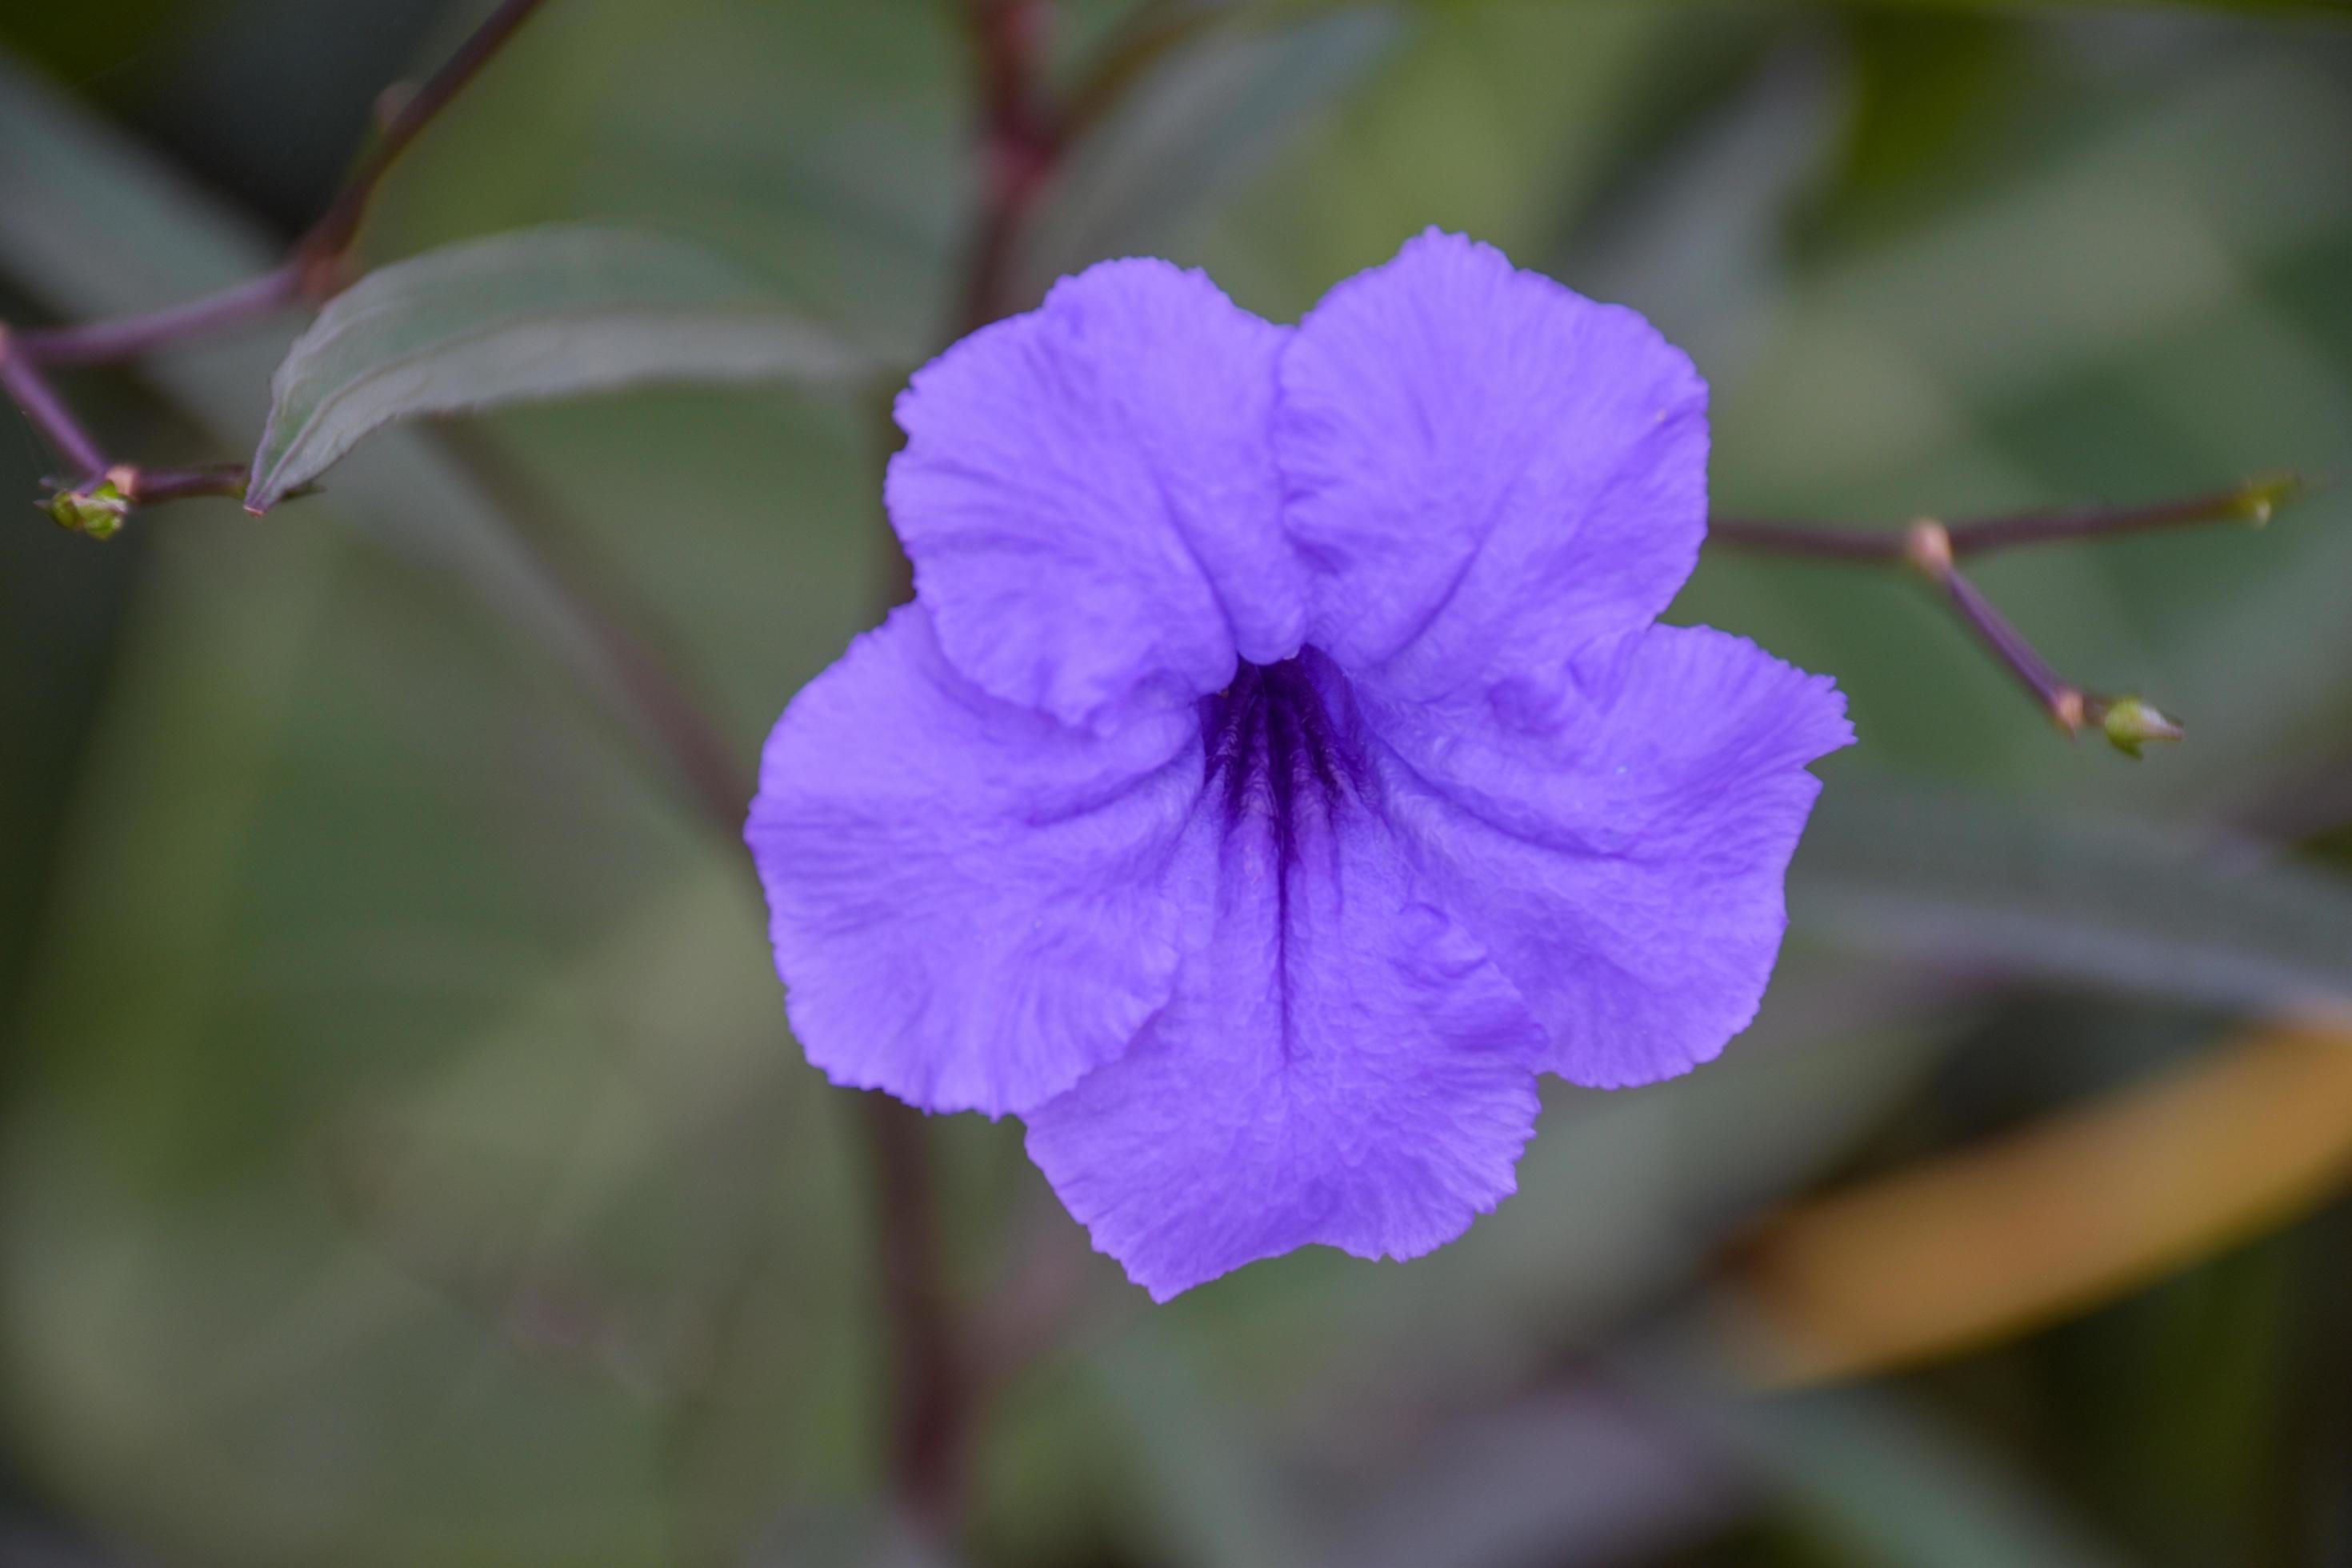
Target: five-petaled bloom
x,y
1280,765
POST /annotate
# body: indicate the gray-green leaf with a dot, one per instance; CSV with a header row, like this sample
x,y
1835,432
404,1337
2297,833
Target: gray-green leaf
x,y
542,312
2143,910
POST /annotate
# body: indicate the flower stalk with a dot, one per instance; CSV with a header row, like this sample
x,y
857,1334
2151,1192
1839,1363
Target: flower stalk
x,y
1932,550
2253,503
329,239
30,391
932,1406
936,1395
134,337
1020,144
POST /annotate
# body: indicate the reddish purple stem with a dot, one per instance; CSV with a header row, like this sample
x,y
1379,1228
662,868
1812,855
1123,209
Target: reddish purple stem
x,y
331,236
1019,144
2103,523
2252,501
1931,548
132,337
2059,697
150,485
1813,540
30,391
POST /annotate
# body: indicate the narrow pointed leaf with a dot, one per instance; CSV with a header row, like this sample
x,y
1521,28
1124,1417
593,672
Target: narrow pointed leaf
x,y
537,313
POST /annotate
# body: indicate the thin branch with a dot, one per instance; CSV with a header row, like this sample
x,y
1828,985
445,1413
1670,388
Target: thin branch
x,y
333,235
2127,721
931,1398
1814,541
1021,144
1930,548
2067,704
30,391
147,485
2253,503
132,337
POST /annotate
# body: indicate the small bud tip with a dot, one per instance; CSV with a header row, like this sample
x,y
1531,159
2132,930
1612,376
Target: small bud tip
x,y
2067,708
1928,548
2258,500
2130,724
97,511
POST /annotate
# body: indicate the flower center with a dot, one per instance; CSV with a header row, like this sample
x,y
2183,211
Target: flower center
x,y
1277,754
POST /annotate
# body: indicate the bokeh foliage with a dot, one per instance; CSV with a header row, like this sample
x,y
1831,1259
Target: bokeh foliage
x,y
404,1160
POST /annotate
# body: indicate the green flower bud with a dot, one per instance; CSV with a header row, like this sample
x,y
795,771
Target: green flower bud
x,y
97,511
2130,723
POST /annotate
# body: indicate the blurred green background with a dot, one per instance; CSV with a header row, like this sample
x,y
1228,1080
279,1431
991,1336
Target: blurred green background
x,y
403,1160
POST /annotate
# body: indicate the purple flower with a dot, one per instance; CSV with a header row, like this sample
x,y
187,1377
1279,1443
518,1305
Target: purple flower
x,y
1281,764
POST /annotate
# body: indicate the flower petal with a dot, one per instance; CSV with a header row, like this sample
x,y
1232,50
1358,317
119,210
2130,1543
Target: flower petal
x,y
1483,466
1623,862
1090,497
1339,1064
964,896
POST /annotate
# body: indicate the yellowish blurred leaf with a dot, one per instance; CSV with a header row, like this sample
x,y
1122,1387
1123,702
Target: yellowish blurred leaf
x,y
1993,1241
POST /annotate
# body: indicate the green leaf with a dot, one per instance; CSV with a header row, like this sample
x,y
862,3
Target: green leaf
x,y
2146,909
544,312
